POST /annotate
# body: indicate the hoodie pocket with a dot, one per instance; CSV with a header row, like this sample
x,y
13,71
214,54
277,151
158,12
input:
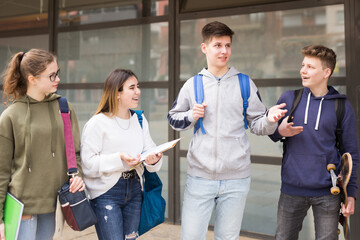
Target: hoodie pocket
x,y
202,153
307,171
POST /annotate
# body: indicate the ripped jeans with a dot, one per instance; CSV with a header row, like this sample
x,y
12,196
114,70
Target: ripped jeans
x,y
118,210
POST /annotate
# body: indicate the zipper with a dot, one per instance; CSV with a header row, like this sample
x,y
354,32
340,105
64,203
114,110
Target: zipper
x,y
216,124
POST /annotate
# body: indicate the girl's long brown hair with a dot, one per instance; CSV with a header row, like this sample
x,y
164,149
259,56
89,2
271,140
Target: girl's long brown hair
x,y
113,84
20,66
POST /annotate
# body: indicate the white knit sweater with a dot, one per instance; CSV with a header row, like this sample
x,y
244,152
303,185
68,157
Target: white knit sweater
x,y
103,139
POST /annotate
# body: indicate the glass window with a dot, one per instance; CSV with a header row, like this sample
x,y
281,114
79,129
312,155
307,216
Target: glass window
x,y
154,102
89,56
269,46
20,14
83,101
12,45
78,12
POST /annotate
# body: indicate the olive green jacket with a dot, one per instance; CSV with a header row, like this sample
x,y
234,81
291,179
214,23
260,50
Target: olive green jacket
x,y
32,153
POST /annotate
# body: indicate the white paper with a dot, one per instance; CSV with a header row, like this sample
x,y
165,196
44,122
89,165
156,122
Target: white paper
x,y
158,149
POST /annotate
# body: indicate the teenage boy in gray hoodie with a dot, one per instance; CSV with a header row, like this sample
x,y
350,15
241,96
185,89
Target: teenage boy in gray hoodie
x,y
219,160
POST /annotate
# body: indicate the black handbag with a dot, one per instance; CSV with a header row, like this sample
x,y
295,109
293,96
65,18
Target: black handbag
x,y
75,206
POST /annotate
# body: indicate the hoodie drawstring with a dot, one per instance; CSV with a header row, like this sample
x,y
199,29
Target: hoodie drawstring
x,y
307,111
28,137
53,129
318,115
307,108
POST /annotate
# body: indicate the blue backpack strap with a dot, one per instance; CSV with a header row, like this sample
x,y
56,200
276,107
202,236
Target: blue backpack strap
x,y
199,98
245,93
139,116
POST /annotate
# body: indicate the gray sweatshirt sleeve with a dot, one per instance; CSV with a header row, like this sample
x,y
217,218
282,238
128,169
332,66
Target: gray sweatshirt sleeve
x,y
180,116
256,114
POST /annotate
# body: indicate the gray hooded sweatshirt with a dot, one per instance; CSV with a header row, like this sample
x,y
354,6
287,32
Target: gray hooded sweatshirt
x,y
224,151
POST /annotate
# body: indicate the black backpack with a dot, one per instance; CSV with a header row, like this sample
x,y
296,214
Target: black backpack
x,y
339,109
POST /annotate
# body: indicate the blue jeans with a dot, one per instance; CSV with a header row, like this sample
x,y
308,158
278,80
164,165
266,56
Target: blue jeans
x,y
39,227
118,210
201,196
293,209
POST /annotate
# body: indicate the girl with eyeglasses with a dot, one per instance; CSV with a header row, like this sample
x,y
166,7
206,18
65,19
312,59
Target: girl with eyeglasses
x,y
32,150
111,143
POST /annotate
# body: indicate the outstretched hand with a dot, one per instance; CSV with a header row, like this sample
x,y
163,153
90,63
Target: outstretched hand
x,y
276,112
288,129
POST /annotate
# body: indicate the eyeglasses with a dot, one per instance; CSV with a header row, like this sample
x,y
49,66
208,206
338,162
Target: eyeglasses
x,y
52,77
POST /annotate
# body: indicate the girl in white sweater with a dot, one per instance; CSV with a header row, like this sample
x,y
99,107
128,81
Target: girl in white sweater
x,y
112,142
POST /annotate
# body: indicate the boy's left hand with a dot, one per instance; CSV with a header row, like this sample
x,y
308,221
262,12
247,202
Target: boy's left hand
x,y
276,112
350,209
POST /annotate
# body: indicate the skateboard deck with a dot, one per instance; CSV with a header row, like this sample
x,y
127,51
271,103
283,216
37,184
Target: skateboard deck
x,y
343,180
339,185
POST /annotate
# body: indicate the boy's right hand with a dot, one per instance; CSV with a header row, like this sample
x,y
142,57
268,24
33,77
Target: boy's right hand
x,y
287,129
2,231
199,110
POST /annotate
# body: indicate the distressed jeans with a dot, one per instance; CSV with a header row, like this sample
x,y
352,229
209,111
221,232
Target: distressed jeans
x,y
118,210
293,209
201,196
39,227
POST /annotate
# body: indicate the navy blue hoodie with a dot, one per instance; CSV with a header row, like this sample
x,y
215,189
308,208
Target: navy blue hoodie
x,y
307,154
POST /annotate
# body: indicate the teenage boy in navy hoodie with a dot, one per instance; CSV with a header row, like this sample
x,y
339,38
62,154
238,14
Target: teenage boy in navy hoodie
x,y
310,146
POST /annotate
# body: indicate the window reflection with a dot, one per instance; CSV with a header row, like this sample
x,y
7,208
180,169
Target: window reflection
x,y
12,45
78,12
23,14
268,45
89,56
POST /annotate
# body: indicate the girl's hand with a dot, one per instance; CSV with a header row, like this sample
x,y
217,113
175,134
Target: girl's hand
x,y
2,231
153,158
76,184
131,161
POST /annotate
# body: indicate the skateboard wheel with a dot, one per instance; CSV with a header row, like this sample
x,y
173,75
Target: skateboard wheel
x,y
335,190
331,167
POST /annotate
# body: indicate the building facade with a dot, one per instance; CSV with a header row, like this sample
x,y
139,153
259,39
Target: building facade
x,y
160,41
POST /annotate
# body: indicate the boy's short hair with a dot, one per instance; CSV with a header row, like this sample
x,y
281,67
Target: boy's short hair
x,y
326,55
215,29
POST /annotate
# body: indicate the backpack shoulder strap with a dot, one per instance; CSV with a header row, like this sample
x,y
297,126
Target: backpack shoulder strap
x,y
139,116
199,98
245,93
297,97
340,111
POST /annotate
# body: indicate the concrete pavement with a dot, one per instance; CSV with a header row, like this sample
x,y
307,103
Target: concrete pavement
x,y
164,231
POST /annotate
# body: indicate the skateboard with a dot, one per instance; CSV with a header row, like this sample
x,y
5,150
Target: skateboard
x,y
339,185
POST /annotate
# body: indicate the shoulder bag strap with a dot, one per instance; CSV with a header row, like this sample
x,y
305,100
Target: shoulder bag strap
x,y
68,136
